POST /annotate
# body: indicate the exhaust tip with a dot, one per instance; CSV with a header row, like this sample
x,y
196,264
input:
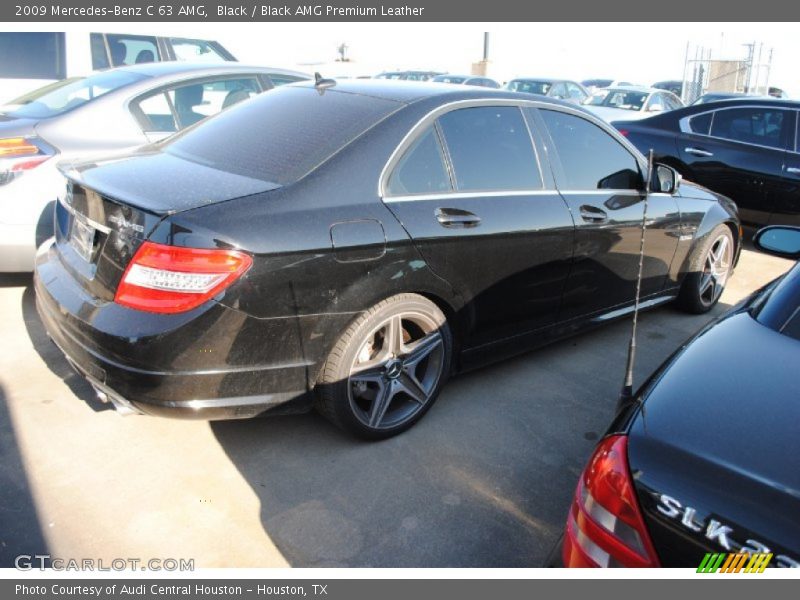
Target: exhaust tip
x,y
122,406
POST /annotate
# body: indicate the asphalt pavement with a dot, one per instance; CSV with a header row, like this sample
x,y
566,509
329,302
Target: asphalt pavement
x,y
484,480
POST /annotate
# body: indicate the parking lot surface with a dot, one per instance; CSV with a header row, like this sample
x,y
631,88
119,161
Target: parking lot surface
x,y
484,480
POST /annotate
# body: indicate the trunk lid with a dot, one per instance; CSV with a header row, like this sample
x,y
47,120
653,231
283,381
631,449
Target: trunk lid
x,y
111,206
715,450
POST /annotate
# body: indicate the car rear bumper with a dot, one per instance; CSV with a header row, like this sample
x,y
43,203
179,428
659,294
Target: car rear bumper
x,y
214,362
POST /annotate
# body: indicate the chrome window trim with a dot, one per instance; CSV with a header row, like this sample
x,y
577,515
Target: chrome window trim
x,y
430,118
683,124
434,114
637,156
467,195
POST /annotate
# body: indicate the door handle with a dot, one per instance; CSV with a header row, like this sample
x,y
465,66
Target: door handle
x,y
592,214
698,151
455,217
793,170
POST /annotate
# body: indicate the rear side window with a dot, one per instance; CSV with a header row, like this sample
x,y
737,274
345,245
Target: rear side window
x,y
762,126
700,124
32,56
590,158
265,139
422,169
491,149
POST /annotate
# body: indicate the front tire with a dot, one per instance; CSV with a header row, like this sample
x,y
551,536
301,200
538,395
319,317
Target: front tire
x,y
709,269
387,368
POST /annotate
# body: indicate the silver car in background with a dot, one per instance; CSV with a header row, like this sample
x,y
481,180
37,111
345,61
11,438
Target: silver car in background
x,y
628,103
109,111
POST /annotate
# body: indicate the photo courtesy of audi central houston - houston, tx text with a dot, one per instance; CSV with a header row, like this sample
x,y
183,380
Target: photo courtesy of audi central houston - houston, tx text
x,y
383,291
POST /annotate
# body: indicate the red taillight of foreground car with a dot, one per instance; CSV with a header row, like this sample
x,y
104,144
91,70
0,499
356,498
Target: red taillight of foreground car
x,y
605,527
171,279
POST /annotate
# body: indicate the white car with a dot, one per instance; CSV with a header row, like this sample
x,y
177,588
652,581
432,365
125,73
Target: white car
x,y
109,111
630,103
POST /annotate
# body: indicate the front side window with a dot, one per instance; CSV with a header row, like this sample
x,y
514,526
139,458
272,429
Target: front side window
x,y
751,125
422,169
491,149
590,157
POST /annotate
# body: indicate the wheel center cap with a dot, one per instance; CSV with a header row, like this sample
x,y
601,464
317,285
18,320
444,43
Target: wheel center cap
x,y
394,368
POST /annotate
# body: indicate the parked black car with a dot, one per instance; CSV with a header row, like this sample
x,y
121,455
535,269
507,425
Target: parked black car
x,y
745,149
361,240
707,457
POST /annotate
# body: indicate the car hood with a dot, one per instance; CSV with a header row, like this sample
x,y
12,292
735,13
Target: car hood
x,y
718,431
159,182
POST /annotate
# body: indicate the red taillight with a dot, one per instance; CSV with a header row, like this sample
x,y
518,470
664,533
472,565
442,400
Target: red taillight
x,y
624,132
171,279
605,527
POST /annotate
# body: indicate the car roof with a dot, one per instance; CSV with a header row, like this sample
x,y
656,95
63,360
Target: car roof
x,y
407,92
172,68
748,101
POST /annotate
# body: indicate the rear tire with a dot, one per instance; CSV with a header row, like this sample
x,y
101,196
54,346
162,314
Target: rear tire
x,y
387,368
709,268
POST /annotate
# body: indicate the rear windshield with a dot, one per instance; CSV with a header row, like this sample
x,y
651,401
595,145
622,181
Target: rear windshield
x,y
281,135
75,94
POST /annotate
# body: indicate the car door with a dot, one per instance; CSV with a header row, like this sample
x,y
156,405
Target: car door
x,y
601,181
740,152
171,108
473,195
786,206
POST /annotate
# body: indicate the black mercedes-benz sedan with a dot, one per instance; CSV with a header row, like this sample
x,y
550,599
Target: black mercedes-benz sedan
x,y
706,461
747,149
352,244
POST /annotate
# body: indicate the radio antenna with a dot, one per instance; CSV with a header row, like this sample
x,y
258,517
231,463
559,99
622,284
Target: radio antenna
x,y
626,395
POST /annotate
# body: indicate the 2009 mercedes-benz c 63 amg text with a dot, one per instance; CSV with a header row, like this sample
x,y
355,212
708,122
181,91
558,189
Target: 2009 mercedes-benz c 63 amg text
x,y
352,244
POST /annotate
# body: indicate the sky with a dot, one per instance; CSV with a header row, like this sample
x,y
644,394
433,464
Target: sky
x,y
639,52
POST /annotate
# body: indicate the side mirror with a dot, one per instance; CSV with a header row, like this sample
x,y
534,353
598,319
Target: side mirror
x,y
779,240
666,180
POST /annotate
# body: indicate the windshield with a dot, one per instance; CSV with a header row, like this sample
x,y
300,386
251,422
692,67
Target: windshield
x,y
624,99
74,94
530,87
263,138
